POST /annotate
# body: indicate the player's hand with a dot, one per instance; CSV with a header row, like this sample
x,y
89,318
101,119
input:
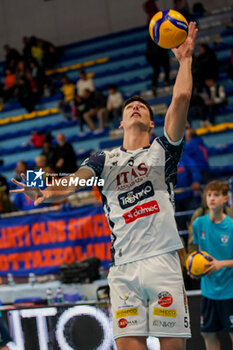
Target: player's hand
x,y
185,50
34,193
213,266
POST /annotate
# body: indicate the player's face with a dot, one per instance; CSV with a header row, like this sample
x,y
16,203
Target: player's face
x,y
215,199
136,113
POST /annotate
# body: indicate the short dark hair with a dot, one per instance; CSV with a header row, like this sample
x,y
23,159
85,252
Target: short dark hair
x,y
139,99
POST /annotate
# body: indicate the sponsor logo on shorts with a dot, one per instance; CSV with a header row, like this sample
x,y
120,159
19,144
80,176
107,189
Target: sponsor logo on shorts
x,y
140,211
125,300
122,323
157,311
165,299
130,198
127,312
164,324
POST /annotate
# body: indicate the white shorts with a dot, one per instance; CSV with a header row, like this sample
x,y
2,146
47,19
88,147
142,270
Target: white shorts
x,y
148,298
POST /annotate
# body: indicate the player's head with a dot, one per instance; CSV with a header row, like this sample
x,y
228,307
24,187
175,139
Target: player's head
x,y
216,194
136,111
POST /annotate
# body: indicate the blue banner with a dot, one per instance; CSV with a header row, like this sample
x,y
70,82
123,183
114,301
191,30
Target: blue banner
x,y
40,243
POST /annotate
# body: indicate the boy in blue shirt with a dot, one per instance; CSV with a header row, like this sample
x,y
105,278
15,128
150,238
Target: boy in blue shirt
x,y
213,233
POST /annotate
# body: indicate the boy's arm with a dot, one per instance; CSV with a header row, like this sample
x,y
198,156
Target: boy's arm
x,y
176,117
227,263
216,265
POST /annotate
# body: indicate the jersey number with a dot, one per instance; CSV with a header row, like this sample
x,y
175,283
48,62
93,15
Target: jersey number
x,y
186,322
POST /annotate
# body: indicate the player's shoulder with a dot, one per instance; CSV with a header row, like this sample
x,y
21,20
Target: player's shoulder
x,y
159,140
95,156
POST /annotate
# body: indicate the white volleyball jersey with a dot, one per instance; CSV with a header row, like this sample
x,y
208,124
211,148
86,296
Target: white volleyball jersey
x,y
137,198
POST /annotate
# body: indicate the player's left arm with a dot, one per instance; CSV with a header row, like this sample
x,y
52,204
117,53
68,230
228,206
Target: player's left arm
x,y
216,265
176,117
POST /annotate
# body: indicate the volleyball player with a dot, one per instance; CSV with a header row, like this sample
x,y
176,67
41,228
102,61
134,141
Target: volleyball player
x,y
146,285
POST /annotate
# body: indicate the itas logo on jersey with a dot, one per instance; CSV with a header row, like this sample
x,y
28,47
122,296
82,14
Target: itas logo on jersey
x,y
140,211
130,198
130,177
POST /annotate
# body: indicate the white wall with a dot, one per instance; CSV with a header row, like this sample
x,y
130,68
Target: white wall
x,y
67,21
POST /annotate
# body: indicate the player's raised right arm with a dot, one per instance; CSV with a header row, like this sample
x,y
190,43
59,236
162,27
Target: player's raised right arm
x,y
54,193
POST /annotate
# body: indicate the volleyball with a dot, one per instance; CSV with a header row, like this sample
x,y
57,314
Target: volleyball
x,y
168,28
196,262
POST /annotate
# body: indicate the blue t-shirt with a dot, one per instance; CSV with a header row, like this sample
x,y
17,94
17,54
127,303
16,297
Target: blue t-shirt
x,y
217,240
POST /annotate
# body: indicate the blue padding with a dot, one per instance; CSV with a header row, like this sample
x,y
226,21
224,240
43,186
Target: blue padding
x,y
84,153
124,38
73,138
222,149
221,170
75,54
100,39
96,48
28,300
43,100
66,124
139,53
15,149
46,127
72,297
